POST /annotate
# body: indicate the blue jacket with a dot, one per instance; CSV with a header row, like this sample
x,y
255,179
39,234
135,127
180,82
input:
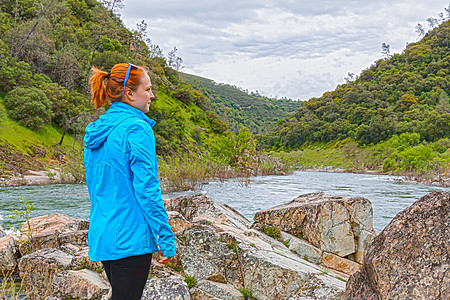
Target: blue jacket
x,y
128,217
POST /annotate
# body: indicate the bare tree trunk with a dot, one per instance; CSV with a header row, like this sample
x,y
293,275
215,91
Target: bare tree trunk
x,y
71,120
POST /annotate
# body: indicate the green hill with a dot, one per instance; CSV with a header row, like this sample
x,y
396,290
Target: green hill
x,y
46,52
395,117
407,93
236,107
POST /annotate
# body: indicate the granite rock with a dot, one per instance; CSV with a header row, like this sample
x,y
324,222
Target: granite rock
x,y
38,268
169,288
83,285
410,258
8,257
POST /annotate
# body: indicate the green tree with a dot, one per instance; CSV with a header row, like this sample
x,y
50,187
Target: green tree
x,y
30,106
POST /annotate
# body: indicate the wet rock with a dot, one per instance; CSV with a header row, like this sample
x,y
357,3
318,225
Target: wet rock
x,y
38,268
83,285
51,231
170,288
8,256
330,223
410,258
202,207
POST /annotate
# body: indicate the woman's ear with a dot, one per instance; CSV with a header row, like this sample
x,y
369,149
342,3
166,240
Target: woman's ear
x,y
129,94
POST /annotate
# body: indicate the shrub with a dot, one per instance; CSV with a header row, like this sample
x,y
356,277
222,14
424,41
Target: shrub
x,y
273,231
246,293
191,281
30,106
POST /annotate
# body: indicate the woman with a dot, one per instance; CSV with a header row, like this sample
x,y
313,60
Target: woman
x,y
128,220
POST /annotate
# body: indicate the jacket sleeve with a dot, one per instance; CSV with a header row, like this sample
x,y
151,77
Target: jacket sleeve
x,y
146,184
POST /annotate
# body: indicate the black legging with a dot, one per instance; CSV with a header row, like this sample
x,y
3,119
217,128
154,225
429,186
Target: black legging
x,y
128,276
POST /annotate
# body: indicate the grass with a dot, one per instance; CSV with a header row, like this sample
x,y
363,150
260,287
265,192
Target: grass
x,y
246,293
191,281
273,231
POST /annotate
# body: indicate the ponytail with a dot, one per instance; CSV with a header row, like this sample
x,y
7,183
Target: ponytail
x,y
114,88
98,90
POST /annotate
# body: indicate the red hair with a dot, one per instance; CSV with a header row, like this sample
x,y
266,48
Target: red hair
x,y
113,90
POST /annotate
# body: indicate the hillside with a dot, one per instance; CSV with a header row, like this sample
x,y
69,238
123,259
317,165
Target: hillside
x,y
406,93
46,52
395,117
236,107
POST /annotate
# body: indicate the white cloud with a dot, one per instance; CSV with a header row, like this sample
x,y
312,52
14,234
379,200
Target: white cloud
x,y
297,49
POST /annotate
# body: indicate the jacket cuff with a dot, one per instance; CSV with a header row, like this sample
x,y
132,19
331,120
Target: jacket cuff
x,y
169,252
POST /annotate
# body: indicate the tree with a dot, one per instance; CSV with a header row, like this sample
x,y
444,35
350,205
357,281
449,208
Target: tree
x,y
420,30
112,6
432,22
30,106
173,60
386,50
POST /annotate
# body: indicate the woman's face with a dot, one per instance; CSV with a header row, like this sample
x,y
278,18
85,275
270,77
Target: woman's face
x,y
142,96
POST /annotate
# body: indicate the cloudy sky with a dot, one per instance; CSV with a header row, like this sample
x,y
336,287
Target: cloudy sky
x,y
281,48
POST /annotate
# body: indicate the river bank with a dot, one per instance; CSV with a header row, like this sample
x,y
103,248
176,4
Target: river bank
x,y
178,183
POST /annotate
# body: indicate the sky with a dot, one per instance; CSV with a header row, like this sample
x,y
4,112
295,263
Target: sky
x,y
280,48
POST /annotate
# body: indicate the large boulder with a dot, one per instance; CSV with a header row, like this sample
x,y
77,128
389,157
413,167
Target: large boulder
x,y
224,259
335,224
83,285
8,257
38,268
410,259
51,231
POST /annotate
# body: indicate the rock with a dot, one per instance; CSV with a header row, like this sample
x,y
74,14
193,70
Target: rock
x,y
8,256
410,258
83,285
208,253
171,288
302,248
38,268
177,221
340,264
2,232
271,275
246,258
201,207
81,261
330,223
206,289
51,231
364,239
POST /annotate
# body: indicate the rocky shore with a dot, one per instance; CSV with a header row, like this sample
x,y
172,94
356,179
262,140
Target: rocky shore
x,y
305,249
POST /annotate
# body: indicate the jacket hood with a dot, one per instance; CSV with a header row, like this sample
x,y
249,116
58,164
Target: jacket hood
x,y
97,132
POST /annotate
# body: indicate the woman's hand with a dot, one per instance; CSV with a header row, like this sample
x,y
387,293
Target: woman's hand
x,y
164,259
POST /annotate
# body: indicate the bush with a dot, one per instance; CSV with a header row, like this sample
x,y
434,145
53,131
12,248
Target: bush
x,y
30,106
191,281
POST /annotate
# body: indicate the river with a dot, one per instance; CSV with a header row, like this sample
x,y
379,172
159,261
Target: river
x,y
388,198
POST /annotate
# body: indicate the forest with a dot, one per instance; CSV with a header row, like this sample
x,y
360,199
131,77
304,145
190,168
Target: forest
x,y
47,49
394,117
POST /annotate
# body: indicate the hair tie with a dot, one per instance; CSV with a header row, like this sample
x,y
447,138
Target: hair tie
x,y
109,74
